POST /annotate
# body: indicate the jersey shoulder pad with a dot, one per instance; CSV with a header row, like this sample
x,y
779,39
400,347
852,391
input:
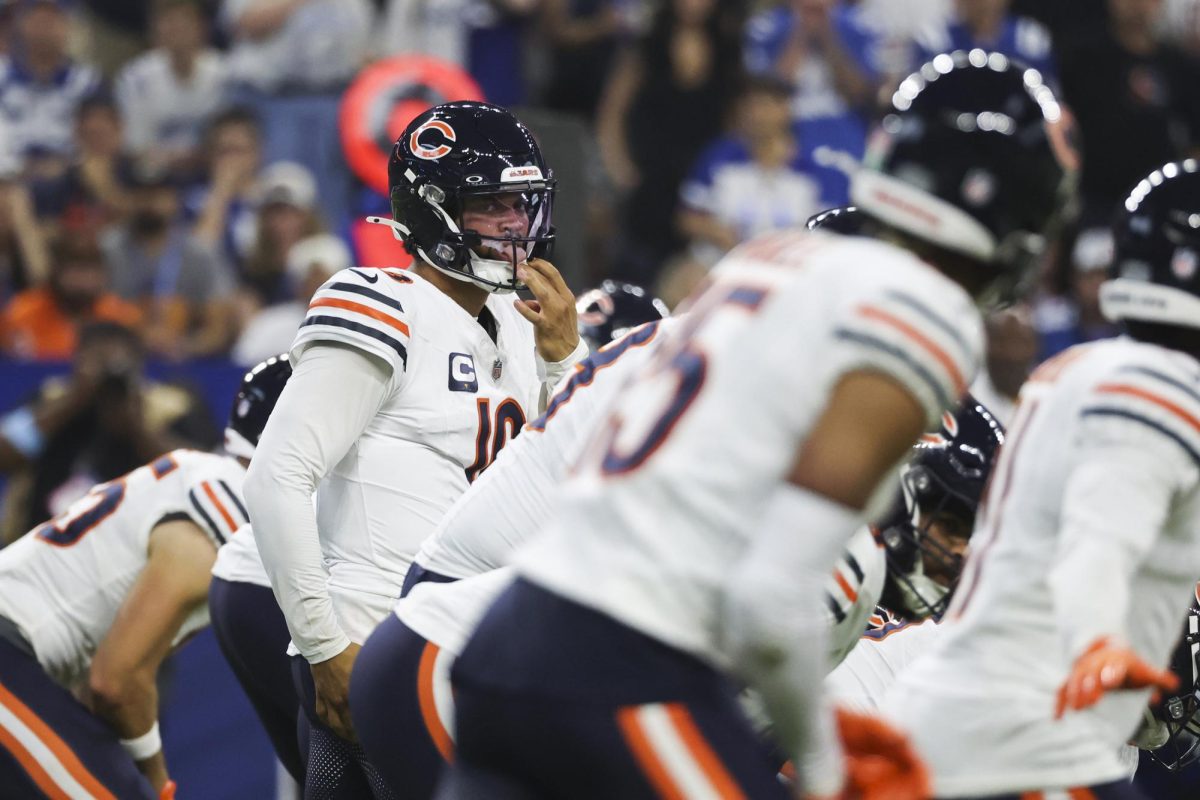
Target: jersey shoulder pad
x,y
214,499
925,333
365,308
1146,399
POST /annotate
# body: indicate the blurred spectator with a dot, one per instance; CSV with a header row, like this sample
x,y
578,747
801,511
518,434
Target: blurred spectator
x,y
114,32
1135,101
1065,321
485,37
286,198
168,94
752,181
989,24
583,36
667,98
41,86
225,207
310,262
290,61
1067,20
91,192
1012,351
94,425
680,276
183,286
1181,24
24,261
43,323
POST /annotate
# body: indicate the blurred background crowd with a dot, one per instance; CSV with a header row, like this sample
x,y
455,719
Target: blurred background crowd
x,y
174,182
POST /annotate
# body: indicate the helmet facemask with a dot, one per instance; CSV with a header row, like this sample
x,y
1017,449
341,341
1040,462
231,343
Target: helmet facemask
x,y
1178,717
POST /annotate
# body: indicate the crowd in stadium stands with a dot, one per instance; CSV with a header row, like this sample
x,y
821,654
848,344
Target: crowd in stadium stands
x,y
174,166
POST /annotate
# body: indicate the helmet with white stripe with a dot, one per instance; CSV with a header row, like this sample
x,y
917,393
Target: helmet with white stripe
x,y
255,400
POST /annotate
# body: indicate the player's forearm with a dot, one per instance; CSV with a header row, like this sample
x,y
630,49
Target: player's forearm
x,y
126,698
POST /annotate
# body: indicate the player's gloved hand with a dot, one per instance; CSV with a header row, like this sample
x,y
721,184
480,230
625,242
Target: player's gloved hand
x,y
168,791
552,311
332,681
1104,667
880,762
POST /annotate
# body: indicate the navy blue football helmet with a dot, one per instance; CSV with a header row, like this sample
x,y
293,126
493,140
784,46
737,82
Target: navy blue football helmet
x,y
1174,724
846,220
1156,264
972,158
252,405
463,150
941,486
612,309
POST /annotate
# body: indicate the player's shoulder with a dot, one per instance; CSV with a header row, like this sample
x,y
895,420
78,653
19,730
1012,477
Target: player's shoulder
x,y
368,308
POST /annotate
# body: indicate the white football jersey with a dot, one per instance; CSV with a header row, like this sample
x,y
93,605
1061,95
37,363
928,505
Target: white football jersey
x,y
666,497
852,591
980,706
238,560
510,502
63,582
456,398
876,661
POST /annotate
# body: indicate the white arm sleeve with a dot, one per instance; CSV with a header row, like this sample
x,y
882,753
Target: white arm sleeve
x,y
774,626
333,394
1114,506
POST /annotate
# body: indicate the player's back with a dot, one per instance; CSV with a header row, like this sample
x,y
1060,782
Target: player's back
x,y
62,582
671,485
1002,650
456,397
509,502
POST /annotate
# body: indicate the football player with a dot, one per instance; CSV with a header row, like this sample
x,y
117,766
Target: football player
x,y
245,617
394,676
1067,612
406,385
93,600
689,548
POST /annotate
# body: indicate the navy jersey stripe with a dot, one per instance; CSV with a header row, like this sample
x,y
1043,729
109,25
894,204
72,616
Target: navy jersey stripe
x,y
357,327
895,352
1105,411
854,567
1167,379
378,297
929,314
234,498
204,515
835,609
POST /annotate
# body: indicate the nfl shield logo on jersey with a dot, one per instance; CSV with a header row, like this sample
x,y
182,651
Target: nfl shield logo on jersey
x,y
497,369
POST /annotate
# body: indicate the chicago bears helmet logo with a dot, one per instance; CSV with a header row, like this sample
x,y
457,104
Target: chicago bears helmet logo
x,y
431,149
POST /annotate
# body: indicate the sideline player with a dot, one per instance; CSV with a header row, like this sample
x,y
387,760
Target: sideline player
x,y
393,679
685,556
245,617
406,385
92,601
1087,547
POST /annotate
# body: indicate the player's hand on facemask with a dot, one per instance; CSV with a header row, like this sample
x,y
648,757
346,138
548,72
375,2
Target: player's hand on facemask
x,y
1104,667
552,311
332,681
880,762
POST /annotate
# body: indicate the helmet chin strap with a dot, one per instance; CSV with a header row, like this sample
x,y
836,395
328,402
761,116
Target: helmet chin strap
x,y
495,270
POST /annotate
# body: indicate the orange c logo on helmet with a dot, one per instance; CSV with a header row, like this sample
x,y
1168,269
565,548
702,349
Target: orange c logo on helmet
x,y
437,151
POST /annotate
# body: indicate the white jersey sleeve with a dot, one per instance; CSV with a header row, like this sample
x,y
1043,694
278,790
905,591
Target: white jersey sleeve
x,y
852,592
361,308
876,660
1138,447
332,396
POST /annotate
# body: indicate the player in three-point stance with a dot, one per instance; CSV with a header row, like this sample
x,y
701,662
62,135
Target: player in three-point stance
x,y
93,600
1087,550
406,384
684,558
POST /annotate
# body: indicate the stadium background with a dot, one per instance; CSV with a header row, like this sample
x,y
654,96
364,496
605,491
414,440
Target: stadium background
x,y
200,212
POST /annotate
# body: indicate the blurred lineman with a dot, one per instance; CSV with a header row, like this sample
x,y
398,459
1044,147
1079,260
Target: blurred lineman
x,y
407,385
1088,544
682,561
91,602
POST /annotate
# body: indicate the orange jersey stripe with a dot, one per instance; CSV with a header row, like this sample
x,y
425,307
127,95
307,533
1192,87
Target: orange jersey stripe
x,y
845,584
225,515
652,767
1081,793
1032,796
698,746
1162,402
32,768
61,750
433,723
359,308
871,312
